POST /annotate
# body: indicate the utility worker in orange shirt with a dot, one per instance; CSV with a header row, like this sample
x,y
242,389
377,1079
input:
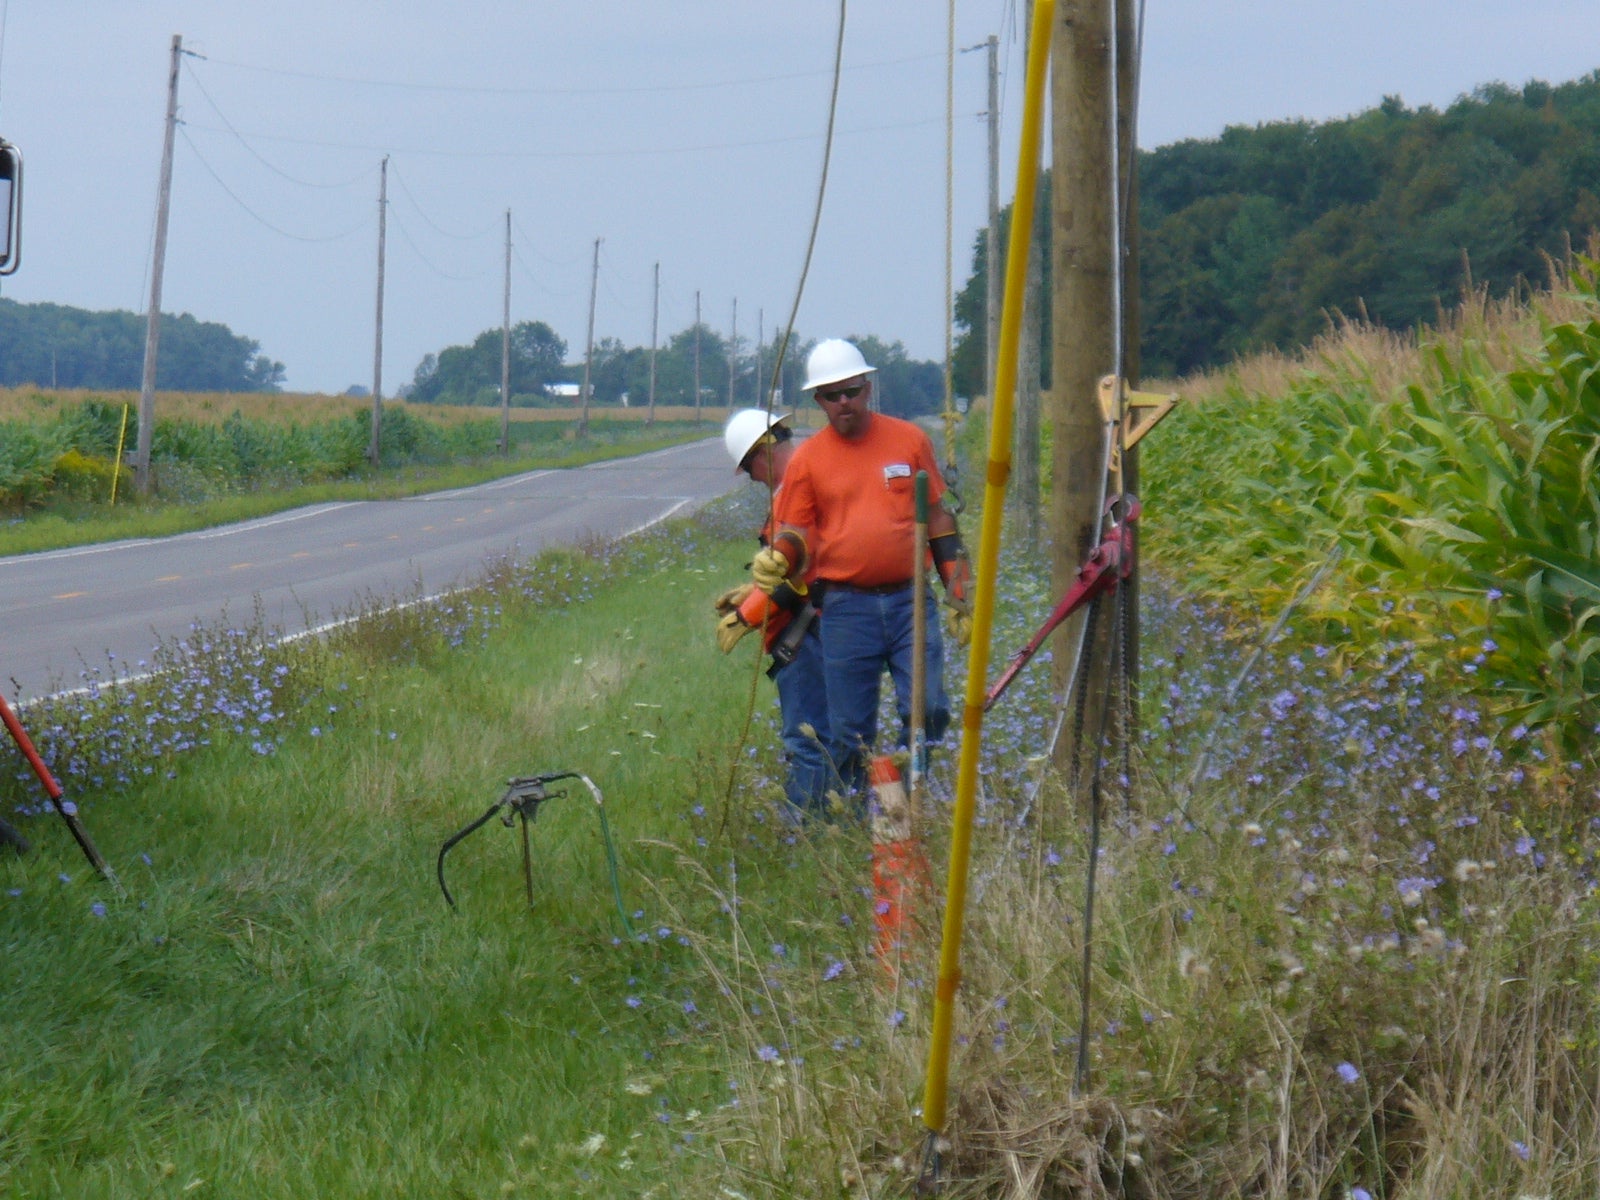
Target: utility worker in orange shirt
x,y
846,522
760,445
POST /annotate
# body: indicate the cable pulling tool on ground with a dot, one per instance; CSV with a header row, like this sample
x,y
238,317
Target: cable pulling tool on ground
x,y
522,798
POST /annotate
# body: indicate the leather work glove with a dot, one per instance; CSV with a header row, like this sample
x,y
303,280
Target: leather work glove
x,y
769,568
730,629
959,619
732,598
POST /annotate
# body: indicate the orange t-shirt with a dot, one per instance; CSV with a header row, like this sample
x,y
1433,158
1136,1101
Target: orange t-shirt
x,y
855,501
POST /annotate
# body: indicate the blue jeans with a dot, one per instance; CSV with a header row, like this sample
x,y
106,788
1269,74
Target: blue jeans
x,y
803,699
862,635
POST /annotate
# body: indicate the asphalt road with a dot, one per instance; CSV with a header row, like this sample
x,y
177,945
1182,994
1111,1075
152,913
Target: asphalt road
x,y
65,611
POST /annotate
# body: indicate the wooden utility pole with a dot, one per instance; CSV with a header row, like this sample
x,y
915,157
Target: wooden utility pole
x,y
1026,489
1128,142
733,354
1086,338
588,353
697,356
375,448
655,317
505,350
152,320
1026,479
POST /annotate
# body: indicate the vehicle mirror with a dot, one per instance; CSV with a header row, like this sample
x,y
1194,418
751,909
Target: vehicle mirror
x,y
10,207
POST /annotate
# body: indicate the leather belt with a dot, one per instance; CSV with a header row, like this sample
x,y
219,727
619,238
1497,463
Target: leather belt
x,y
880,589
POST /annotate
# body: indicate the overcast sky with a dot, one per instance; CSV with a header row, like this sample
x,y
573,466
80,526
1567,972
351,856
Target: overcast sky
x,y
687,133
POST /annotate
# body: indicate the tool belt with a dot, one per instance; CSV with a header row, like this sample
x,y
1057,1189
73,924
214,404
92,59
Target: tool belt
x,y
787,644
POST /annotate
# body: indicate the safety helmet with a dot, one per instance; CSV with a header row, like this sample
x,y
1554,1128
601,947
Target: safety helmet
x,y
831,360
745,428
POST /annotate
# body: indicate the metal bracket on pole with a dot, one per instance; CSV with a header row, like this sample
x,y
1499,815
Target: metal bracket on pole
x,y
1141,412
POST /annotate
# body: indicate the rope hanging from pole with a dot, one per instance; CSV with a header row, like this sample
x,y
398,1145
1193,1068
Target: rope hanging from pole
x,y
778,356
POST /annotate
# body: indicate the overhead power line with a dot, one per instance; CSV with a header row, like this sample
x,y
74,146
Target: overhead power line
x,y
530,240
434,225
629,90
254,153
426,261
234,196
537,281
645,152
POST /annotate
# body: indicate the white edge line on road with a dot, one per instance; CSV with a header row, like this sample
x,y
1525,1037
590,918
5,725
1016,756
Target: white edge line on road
x,y
193,535
298,514
508,481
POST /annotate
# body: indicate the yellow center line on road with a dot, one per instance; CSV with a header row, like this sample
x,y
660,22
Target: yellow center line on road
x,y
239,566
168,578
69,595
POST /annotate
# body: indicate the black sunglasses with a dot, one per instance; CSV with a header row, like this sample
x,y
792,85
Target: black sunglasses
x,y
838,394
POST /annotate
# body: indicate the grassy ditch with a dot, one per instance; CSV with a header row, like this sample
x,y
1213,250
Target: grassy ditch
x,y
1344,941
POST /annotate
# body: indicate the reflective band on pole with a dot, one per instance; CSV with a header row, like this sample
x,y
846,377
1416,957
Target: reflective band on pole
x,y
936,1092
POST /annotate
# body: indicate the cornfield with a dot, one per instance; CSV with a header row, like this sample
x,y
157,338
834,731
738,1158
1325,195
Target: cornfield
x,y
1453,476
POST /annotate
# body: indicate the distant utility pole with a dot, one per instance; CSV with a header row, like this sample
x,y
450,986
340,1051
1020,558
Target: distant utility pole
x,y
374,449
655,317
697,356
761,337
505,351
588,354
733,351
152,320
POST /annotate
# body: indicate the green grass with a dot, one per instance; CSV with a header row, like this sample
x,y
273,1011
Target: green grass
x,y
1359,953
283,1005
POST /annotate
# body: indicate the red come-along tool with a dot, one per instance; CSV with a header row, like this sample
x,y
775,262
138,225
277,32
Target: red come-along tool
x,y
1109,565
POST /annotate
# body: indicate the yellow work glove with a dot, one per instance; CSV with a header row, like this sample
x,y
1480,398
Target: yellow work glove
x,y
959,619
769,568
729,630
732,598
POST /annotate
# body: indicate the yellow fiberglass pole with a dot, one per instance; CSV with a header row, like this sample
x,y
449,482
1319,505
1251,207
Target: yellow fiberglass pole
x,y
935,1094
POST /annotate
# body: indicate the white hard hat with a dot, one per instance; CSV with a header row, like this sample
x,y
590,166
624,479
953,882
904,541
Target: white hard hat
x,y
745,428
831,360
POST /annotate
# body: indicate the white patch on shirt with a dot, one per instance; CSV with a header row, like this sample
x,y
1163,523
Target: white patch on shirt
x,y
896,471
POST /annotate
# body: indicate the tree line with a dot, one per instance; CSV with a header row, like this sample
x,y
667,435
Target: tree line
x,y
58,346
1258,238
620,374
